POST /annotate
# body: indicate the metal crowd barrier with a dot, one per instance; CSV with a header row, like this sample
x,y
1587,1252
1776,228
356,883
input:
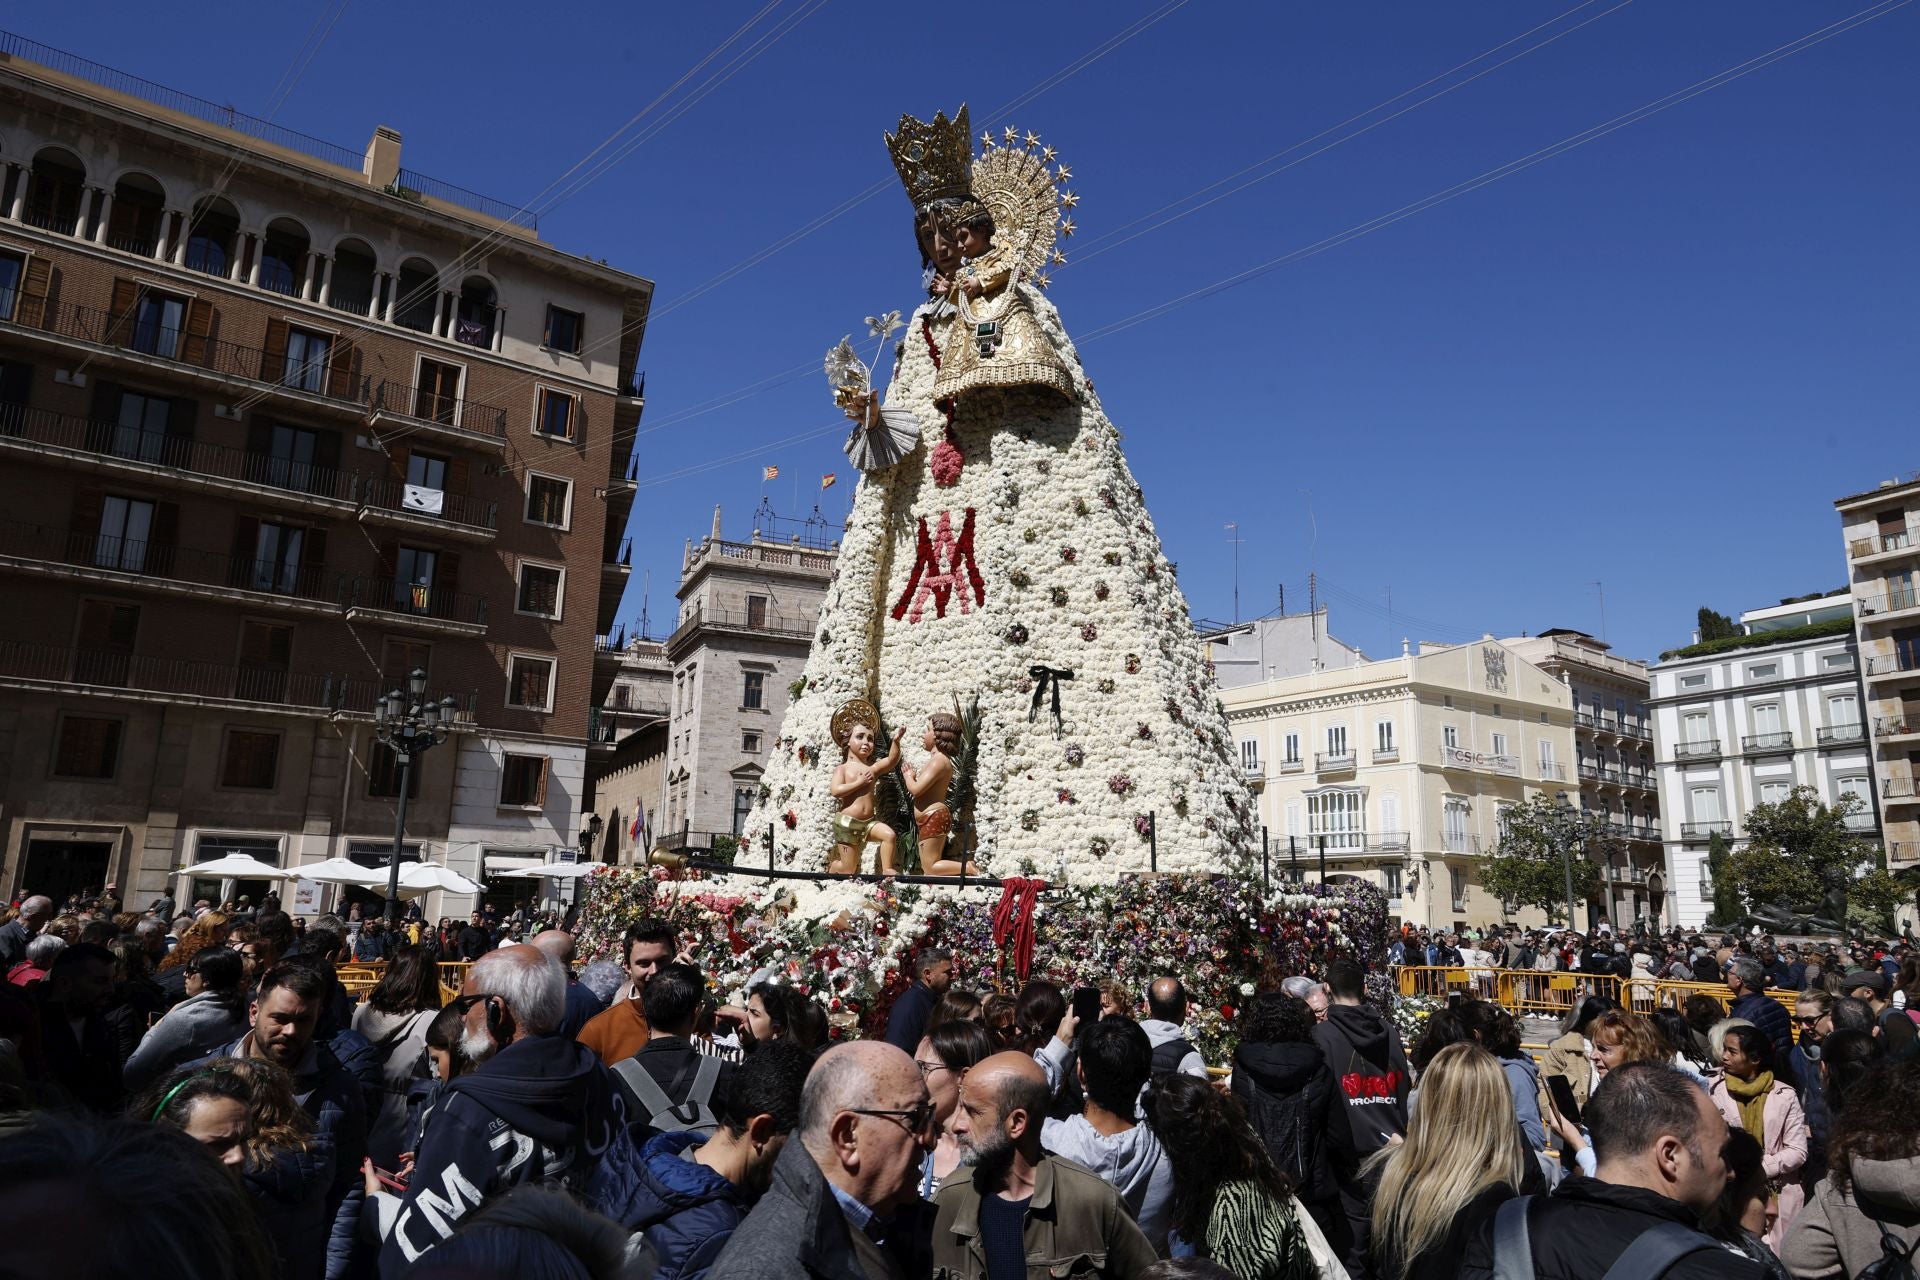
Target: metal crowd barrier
x,y
1555,993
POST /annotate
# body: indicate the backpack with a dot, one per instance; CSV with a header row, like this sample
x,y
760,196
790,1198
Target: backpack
x,y
1893,1263
664,1115
1652,1253
1168,1055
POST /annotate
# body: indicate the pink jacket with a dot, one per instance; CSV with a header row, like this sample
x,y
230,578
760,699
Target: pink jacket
x,y
1782,1153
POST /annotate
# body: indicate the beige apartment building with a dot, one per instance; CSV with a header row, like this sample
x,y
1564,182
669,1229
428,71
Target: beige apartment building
x,y
1883,553
1400,768
281,422
1613,764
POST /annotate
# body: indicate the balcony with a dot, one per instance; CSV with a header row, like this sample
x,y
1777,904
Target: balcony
x,y
1641,778
407,607
1839,735
1889,605
165,679
395,505
1861,822
331,383
1333,762
1705,830
603,732
1480,761
1589,772
1702,749
1894,728
1552,771
218,468
1459,842
1639,732
1392,842
617,568
1644,831
1900,791
423,413
159,567
1291,766
1767,744
1882,546
1892,666
755,621
1386,755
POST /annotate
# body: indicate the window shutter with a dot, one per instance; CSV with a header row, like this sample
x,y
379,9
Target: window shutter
x,y
446,582
199,332
397,457
540,785
389,558
273,354
459,475
36,283
126,297
313,564
325,475
163,539
246,545
340,370
546,333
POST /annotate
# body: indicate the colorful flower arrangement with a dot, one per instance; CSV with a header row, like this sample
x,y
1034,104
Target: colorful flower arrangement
x,y
850,945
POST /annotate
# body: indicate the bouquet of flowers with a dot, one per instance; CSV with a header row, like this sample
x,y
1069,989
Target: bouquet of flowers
x,y
879,439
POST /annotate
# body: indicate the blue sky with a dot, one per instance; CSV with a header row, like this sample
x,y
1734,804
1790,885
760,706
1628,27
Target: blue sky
x,y
1651,362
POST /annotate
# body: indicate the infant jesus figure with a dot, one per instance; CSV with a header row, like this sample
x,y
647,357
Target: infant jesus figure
x,y
928,784
852,789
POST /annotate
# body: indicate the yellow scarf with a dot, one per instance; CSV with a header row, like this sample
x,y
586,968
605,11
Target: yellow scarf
x,y
1751,1095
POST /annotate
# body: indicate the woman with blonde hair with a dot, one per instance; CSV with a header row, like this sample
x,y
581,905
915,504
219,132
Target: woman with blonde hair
x,y
1463,1157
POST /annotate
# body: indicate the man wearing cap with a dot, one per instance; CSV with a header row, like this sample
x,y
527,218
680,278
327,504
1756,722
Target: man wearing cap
x,y
1870,985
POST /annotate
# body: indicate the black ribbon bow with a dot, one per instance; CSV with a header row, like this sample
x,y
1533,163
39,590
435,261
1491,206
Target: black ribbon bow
x,y
1043,678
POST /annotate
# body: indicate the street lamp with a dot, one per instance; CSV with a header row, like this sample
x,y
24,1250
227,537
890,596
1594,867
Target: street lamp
x,y
409,725
589,832
1564,818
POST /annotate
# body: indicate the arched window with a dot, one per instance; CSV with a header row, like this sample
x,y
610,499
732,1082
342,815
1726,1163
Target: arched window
x,y
212,234
283,257
55,185
418,296
139,205
478,311
354,269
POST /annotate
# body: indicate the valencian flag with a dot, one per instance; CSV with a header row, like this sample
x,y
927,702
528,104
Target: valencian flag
x,y
769,473
828,480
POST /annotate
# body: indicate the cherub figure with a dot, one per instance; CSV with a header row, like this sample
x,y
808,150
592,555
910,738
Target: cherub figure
x,y
998,342
928,784
855,826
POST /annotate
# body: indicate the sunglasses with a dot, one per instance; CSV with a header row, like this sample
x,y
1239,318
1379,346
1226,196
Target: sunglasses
x,y
917,1121
464,1003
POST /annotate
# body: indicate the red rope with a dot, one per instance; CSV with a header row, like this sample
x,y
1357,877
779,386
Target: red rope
x,y
1013,917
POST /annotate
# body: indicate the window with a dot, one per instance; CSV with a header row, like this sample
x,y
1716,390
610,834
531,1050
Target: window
x,y
1457,881
1704,803
252,760
1500,744
742,806
539,594
1250,755
104,642
1831,661
1843,710
383,775
1339,817
413,579
1549,767
424,471
756,611
547,500
11,269
276,558
1455,819
1295,824
523,782
126,526
140,430
1763,671
266,655
291,452
753,691
530,682
1393,882
555,415
1383,736
157,320
1774,792
1337,740
564,329
307,354
1766,720
436,396
400,659
1446,700
1694,681
750,743
1694,729
1290,748
88,747
1450,735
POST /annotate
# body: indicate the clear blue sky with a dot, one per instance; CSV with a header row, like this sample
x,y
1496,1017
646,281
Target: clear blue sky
x,y
1652,362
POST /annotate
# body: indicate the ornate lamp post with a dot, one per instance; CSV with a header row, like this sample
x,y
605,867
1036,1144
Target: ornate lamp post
x,y
1564,818
410,726
589,832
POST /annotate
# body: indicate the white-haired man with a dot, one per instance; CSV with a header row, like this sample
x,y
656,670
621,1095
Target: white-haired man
x,y
15,934
536,1108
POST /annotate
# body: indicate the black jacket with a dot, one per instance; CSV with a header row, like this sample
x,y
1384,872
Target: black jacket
x,y
798,1229
1299,1112
674,1064
1364,1053
908,1020
474,942
1580,1230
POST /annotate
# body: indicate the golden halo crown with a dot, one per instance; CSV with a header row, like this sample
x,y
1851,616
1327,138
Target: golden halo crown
x,y
1031,211
934,160
851,712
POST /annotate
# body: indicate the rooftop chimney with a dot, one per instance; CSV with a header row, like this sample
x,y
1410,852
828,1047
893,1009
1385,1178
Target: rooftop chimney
x,y
381,168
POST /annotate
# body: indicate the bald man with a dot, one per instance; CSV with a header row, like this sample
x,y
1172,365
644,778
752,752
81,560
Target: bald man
x,y
582,1005
16,933
537,1108
1013,1200
865,1125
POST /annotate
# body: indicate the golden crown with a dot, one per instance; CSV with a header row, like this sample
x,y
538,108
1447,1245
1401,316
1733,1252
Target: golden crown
x,y
935,160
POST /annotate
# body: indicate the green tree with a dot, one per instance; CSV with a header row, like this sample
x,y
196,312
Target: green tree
x,y
1715,625
1800,854
1527,866
1878,892
1729,904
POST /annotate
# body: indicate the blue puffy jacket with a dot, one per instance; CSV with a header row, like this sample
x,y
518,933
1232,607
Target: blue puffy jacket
x,y
687,1211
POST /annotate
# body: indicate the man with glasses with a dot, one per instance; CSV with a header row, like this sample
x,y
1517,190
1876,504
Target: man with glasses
x,y
536,1108
866,1123
1022,1202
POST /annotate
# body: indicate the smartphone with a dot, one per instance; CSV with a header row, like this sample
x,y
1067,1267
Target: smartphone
x,y
1562,1090
388,1180
1086,1005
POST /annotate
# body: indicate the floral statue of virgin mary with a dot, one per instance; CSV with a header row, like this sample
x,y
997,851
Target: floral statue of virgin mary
x,y
1000,557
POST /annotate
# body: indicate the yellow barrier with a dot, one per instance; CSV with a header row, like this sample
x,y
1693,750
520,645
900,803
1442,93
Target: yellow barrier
x,y
1553,993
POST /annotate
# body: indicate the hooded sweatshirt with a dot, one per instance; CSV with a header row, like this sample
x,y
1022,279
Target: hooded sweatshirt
x,y
541,1110
1132,1162
1298,1109
1363,1050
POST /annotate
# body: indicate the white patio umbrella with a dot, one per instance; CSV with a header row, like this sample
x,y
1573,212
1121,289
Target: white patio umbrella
x,y
237,866
425,877
340,871
556,871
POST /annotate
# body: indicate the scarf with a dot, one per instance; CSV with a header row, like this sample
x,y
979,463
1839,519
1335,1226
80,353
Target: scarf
x,y
1752,1098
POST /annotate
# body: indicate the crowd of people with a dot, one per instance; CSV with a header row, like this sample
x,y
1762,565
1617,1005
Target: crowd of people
x,y
200,1095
